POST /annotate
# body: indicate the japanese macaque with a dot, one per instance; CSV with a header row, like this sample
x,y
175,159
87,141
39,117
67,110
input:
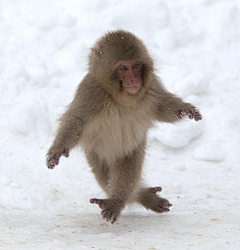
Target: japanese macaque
x,y
115,105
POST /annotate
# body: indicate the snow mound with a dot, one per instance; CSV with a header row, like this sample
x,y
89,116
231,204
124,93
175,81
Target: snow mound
x,y
29,117
193,83
177,136
210,151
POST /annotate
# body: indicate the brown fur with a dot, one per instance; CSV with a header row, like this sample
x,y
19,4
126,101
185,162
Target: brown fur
x,y
111,126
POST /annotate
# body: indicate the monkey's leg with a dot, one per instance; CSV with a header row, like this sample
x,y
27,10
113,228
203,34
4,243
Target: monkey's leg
x,y
150,200
124,180
100,170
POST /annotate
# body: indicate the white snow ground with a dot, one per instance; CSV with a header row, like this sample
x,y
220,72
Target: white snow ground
x,y
43,51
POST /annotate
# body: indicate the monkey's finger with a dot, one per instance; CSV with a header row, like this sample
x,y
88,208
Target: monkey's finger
x,y
197,116
51,166
66,154
190,115
52,162
194,114
53,159
181,114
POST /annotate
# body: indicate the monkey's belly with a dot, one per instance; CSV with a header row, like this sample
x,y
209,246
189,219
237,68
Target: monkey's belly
x,y
114,133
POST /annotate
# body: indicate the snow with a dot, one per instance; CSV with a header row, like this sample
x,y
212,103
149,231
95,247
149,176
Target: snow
x,y
43,52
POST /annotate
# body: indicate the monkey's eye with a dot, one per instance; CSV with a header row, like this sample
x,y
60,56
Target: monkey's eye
x,y
123,68
135,66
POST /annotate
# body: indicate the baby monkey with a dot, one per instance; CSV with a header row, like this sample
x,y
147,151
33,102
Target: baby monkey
x,y
115,105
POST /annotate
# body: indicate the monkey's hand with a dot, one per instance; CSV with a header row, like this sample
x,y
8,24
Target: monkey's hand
x,y
191,113
53,157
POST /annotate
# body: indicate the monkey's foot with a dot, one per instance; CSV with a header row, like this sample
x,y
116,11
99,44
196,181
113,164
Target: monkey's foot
x,y
160,205
194,113
150,200
111,208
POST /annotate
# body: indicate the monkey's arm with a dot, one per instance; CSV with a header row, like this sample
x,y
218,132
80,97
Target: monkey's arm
x,y
170,108
88,100
67,137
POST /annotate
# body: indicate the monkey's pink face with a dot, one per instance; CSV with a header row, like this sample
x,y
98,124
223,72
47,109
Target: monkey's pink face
x,y
129,74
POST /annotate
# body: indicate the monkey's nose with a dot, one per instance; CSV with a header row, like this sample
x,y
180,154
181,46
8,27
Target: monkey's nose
x,y
133,79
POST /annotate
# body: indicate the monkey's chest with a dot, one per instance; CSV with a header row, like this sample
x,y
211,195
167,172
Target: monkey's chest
x,y
115,132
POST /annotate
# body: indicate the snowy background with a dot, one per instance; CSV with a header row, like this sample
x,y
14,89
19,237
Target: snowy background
x,y
43,51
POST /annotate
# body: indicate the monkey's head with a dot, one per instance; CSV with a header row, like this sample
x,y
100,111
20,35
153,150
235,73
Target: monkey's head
x,y
122,65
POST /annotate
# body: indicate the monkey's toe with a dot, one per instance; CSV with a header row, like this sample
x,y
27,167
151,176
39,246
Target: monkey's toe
x,y
165,202
109,216
161,209
159,205
110,208
162,205
99,202
155,190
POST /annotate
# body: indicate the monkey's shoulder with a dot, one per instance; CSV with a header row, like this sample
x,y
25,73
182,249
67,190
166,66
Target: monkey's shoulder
x,y
89,98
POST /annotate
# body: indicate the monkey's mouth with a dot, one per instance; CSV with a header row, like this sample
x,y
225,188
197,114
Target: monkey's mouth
x,y
131,89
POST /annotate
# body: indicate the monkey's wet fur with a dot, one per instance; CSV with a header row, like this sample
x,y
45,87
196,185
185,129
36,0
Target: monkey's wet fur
x,y
115,105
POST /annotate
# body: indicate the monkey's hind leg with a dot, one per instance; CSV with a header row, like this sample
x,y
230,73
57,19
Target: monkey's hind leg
x,y
148,198
124,177
100,170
